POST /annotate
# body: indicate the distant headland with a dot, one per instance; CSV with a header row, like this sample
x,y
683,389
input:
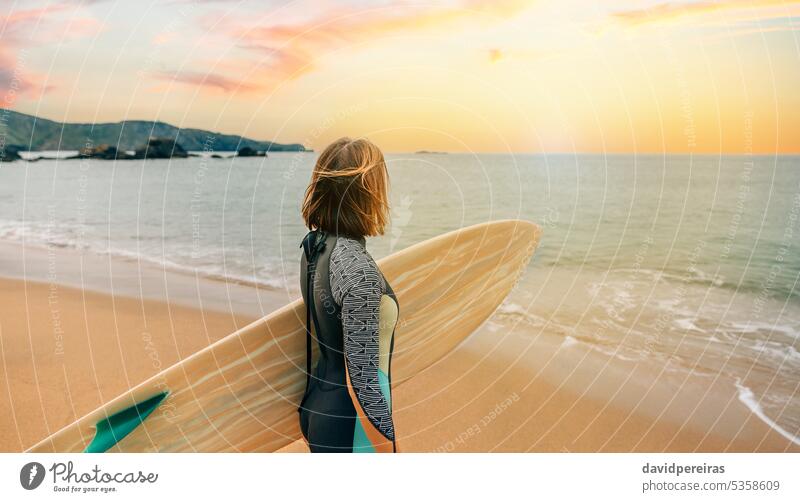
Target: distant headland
x,y
23,132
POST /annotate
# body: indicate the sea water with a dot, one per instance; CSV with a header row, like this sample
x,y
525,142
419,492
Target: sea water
x,y
688,260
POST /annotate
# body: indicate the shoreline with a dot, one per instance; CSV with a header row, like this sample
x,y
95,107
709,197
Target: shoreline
x,y
137,278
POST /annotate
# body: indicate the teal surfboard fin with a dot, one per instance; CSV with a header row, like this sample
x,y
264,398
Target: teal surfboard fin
x,y
111,430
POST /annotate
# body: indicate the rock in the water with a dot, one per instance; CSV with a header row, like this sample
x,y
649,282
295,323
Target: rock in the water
x,y
103,152
246,151
10,153
161,148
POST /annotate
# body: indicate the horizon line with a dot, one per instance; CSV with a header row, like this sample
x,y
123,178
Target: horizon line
x,y
420,151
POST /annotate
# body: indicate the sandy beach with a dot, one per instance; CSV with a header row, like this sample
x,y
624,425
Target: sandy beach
x,y
79,328
66,350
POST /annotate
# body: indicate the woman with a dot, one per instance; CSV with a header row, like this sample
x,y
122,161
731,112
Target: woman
x,y
347,406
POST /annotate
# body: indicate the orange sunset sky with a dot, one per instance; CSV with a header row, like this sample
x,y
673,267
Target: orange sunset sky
x,y
454,75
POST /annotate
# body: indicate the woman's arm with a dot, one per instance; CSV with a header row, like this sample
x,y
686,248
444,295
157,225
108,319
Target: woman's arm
x,y
357,286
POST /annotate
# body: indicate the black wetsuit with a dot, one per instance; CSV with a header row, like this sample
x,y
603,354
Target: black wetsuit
x,y
347,404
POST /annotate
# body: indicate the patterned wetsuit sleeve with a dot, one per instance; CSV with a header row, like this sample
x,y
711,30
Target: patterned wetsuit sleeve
x,y
356,285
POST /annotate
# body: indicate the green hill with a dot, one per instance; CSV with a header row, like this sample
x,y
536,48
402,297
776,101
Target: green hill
x,y
34,133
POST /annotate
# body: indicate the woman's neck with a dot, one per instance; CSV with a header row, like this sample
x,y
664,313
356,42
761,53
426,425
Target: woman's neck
x,y
360,239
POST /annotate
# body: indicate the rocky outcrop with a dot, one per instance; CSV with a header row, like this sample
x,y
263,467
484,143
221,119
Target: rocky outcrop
x,y
246,151
102,152
10,153
160,148
156,148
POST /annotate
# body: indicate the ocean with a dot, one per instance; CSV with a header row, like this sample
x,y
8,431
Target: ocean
x,y
688,261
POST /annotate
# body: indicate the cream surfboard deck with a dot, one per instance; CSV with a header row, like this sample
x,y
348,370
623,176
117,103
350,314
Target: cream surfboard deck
x,y
242,392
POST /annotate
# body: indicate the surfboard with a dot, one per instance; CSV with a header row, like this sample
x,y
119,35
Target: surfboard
x,y
241,393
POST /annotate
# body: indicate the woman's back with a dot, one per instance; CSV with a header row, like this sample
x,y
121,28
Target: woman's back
x,y
347,406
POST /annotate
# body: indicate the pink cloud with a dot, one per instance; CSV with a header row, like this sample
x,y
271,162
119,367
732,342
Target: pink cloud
x,y
23,29
669,11
54,23
17,80
208,81
16,27
288,51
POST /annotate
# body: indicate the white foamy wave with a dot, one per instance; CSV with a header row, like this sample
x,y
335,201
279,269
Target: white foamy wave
x,y
686,324
515,310
622,353
614,297
512,308
747,398
205,270
779,352
755,326
569,341
693,274
43,235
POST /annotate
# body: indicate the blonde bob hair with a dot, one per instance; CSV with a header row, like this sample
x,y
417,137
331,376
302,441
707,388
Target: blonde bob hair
x,y
347,193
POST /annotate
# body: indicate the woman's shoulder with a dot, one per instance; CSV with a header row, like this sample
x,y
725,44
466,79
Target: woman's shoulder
x,y
351,265
350,256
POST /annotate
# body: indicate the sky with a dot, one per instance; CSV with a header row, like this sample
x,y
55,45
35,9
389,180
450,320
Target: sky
x,y
500,76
